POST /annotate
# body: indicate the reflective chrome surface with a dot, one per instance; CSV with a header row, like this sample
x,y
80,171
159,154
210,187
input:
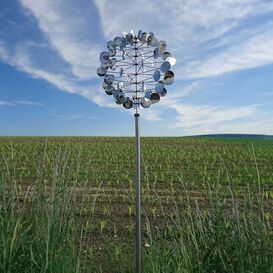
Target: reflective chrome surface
x,y
168,77
155,97
143,37
165,55
154,42
156,53
109,78
118,41
147,94
162,45
119,96
120,86
128,103
112,63
111,44
136,69
159,86
171,60
122,45
112,52
110,90
101,71
150,38
145,103
139,34
163,92
104,57
157,75
165,66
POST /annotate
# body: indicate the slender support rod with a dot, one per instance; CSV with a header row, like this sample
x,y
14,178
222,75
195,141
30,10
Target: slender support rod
x,y
138,197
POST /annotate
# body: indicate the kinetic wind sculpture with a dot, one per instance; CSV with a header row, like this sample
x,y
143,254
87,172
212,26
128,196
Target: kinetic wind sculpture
x,y
136,71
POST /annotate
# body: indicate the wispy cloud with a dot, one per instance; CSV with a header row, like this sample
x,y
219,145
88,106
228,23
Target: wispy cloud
x,y
27,102
194,116
206,119
72,116
208,37
23,60
67,56
152,115
70,31
255,51
20,102
258,124
5,103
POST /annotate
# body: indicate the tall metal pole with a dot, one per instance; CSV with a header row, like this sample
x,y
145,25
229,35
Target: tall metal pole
x,y
137,186
138,197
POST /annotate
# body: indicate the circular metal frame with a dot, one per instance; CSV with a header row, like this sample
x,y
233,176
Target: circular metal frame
x,y
136,69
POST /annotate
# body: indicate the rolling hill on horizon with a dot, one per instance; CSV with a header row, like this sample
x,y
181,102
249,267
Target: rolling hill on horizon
x,y
250,136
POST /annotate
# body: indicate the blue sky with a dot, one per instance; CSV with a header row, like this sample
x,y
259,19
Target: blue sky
x,y
49,53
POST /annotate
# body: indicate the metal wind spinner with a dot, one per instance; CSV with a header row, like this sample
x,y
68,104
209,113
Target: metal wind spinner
x,y
136,69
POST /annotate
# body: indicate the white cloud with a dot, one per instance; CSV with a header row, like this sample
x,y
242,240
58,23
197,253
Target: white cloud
x,y
5,103
152,115
208,37
179,20
190,116
183,91
22,59
20,102
27,102
254,52
72,116
205,119
72,37
70,31
257,125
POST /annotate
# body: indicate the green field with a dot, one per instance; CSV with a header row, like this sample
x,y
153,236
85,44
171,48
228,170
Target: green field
x,y
67,204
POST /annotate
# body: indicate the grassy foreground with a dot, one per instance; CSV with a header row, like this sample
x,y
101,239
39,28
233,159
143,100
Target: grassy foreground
x,y
67,205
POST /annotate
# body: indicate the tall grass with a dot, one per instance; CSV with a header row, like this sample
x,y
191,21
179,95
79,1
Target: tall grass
x,y
224,234
38,231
